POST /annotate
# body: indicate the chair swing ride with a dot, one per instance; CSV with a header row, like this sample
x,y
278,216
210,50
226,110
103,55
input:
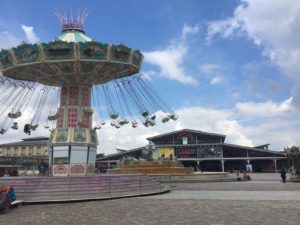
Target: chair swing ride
x,y
67,81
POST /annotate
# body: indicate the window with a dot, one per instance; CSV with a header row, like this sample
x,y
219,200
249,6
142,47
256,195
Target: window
x,y
60,155
23,151
30,150
38,150
15,150
8,151
45,151
60,160
184,140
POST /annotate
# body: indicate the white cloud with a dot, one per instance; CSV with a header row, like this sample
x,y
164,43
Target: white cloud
x,y
215,121
271,24
209,68
8,40
225,28
217,80
30,34
280,132
187,30
149,74
265,109
170,59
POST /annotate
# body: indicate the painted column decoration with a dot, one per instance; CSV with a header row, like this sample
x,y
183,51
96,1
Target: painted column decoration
x,y
74,142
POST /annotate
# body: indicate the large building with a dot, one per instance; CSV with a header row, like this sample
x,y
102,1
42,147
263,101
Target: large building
x,y
25,153
204,151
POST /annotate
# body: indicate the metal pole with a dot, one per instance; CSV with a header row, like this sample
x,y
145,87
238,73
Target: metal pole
x,y
222,162
140,184
109,186
275,164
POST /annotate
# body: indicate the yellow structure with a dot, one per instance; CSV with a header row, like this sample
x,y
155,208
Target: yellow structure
x,y
163,153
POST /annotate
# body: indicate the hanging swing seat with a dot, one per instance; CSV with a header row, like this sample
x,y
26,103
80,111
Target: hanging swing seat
x,y
114,115
15,126
153,117
152,123
2,131
88,110
96,128
145,113
146,123
134,124
165,119
14,115
53,117
123,122
173,116
33,126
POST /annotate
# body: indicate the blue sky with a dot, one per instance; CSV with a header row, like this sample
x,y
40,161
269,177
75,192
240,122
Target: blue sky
x,y
224,66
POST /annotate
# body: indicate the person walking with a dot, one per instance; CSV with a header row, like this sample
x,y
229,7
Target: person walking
x,y
40,167
283,175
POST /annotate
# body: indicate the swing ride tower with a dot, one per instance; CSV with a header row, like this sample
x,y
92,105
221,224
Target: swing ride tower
x,y
77,65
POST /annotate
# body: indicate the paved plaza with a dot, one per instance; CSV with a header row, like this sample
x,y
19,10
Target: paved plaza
x,y
261,201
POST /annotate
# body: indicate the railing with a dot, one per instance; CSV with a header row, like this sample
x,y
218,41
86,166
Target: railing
x,y
37,189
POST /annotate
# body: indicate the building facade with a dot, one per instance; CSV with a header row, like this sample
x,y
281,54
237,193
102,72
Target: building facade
x,y
26,153
206,152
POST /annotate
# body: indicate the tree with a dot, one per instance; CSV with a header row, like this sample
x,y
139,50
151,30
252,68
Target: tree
x,y
293,155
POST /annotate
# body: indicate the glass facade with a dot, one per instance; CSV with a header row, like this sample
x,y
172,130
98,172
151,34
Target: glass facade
x,y
210,151
183,138
201,151
207,152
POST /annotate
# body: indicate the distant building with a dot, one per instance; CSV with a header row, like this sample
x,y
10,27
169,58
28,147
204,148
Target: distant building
x,y
204,151
25,153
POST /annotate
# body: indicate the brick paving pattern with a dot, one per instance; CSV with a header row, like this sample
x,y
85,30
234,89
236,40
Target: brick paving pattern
x,y
167,209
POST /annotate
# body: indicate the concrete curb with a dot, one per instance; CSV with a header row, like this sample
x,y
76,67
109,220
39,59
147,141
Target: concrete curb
x,y
57,201
199,181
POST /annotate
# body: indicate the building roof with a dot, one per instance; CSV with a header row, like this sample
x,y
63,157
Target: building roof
x,y
251,148
29,141
264,146
186,130
121,153
74,35
40,138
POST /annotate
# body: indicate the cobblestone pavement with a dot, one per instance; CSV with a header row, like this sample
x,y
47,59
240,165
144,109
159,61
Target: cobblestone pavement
x,y
167,209
259,182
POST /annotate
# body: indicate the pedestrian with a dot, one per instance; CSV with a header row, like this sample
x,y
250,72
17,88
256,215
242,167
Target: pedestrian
x,y
45,168
283,175
40,167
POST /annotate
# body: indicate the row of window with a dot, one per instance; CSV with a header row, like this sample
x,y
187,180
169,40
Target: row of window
x,y
19,151
191,139
236,152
